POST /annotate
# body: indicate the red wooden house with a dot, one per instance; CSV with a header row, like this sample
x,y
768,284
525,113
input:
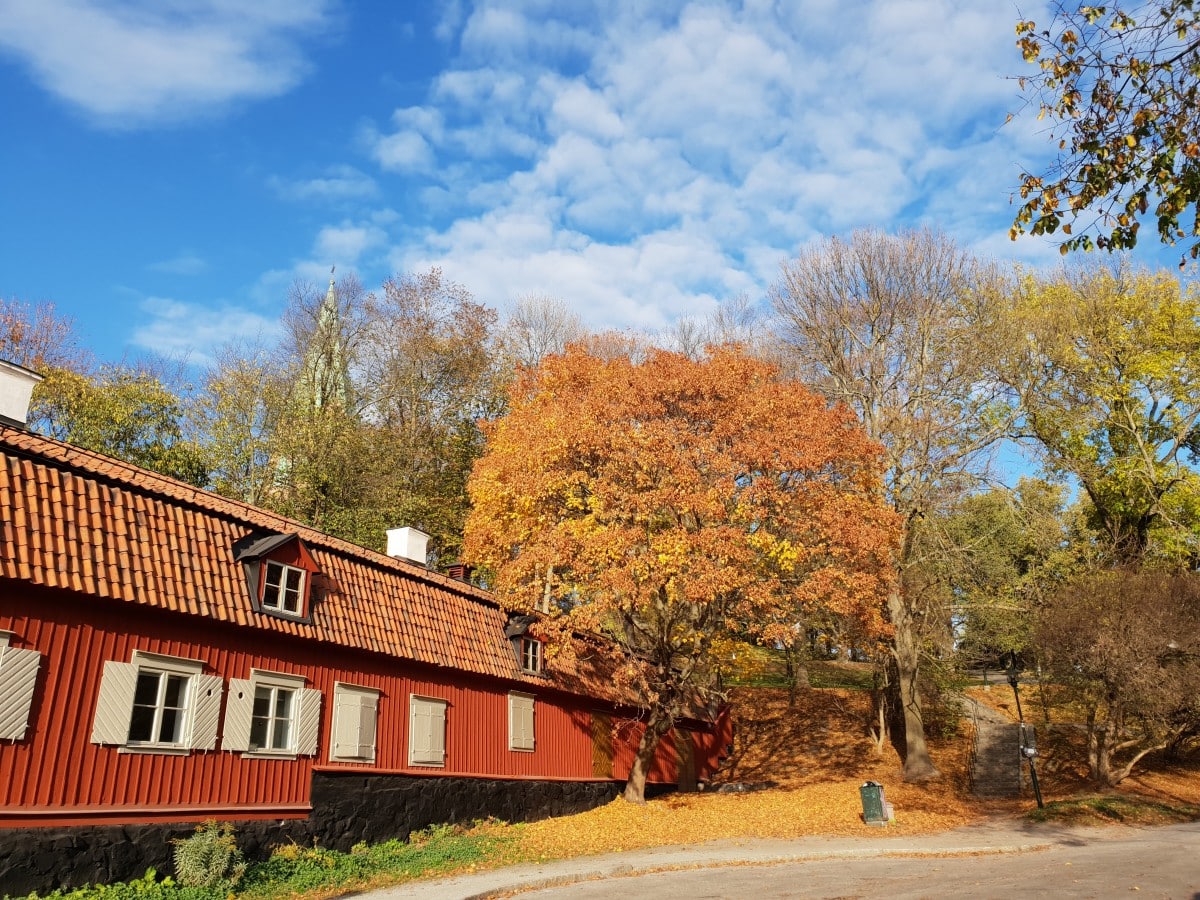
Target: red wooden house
x,y
169,656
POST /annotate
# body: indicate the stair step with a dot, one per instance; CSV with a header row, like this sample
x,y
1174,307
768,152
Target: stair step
x,y
996,761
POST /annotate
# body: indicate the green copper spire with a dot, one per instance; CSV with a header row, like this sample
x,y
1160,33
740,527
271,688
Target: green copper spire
x,y
325,379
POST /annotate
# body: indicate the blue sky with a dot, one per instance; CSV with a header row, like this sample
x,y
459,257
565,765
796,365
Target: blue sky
x,y
170,167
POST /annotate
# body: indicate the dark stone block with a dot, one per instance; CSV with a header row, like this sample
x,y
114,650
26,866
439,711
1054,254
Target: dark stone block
x,y
347,809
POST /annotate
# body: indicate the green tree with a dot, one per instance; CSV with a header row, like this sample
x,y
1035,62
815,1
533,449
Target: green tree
x,y
236,413
663,501
124,412
1120,84
889,326
1105,366
1008,551
429,372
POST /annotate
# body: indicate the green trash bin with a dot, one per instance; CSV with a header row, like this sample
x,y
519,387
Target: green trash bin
x,y
874,806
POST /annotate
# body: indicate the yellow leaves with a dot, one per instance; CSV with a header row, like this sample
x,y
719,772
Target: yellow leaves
x,y
818,771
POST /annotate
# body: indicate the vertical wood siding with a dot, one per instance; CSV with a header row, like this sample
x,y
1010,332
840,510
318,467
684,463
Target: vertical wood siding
x,y
57,767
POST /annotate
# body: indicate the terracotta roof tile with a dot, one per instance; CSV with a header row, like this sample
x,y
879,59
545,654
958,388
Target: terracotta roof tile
x,y
99,526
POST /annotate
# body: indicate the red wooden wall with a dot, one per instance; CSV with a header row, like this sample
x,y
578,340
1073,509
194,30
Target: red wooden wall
x,y
55,775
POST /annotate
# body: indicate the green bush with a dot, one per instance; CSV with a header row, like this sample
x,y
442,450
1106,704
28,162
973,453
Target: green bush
x,y
148,887
210,857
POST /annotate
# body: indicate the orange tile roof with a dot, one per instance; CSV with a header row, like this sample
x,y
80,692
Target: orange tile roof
x,y
92,524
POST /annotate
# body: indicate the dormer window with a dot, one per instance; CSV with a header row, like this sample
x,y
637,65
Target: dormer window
x,y
531,655
283,588
281,575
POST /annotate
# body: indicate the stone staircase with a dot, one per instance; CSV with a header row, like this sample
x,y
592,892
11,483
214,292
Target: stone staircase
x,y
996,757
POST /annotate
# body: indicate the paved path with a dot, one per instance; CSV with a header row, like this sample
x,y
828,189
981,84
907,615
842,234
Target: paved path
x,y
989,839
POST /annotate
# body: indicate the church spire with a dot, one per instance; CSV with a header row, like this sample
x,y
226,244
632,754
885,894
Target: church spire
x,y
325,379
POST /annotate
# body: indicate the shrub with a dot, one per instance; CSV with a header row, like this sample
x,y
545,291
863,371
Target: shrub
x,y
209,857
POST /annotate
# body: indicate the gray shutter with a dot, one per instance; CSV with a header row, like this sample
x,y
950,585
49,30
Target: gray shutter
x,y
114,706
18,677
238,710
310,722
206,710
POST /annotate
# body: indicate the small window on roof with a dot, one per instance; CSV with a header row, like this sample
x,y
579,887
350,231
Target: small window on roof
x,y
281,574
531,655
283,588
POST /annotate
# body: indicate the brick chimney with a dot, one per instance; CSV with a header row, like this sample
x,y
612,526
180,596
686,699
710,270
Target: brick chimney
x,y
407,544
16,387
459,572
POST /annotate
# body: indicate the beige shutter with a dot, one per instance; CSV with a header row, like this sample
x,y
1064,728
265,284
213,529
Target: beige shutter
x,y
206,710
354,714
345,723
520,721
18,677
437,732
310,721
368,714
238,710
427,731
114,706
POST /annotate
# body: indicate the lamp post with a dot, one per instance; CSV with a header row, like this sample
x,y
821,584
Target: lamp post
x,y
1028,747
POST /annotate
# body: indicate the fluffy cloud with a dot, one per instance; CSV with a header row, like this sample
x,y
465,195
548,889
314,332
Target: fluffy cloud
x,y
193,332
655,163
346,243
141,62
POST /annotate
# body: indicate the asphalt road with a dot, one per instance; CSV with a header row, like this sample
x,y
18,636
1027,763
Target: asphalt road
x,y
1159,862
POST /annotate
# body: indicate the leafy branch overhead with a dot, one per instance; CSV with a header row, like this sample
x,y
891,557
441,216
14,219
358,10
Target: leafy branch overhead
x,y
1121,85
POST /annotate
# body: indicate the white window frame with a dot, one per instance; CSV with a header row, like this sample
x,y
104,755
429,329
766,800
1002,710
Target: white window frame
x,y
532,654
354,723
18,680
304,715
115,704
276,602
521,734
427,730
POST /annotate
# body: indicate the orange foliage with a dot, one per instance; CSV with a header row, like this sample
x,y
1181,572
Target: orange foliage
x,y
661,501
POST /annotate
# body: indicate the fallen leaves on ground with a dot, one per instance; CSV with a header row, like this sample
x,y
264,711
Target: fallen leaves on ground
x,y
816,754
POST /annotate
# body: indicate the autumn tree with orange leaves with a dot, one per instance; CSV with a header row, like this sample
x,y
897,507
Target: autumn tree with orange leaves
x,y
663,501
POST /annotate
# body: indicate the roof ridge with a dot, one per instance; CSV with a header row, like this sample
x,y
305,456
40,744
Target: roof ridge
x,y
145,481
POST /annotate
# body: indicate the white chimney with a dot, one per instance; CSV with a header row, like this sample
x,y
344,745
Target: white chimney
x,y
407,543
16,387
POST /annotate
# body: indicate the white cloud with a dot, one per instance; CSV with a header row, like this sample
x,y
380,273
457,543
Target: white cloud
x,y
648,165
339,183
403,151
141,62
184,264
193,332
346,243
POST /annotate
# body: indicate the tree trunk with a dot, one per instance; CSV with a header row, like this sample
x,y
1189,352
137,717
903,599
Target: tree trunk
x,y
918,766
797,672
635,788
880,732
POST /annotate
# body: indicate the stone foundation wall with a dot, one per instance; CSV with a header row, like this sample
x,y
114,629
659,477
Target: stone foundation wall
x,y
347,808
